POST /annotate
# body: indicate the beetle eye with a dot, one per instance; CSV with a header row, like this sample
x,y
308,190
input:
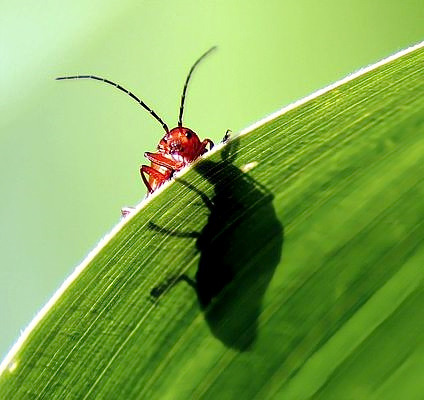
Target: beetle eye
x,y
188,134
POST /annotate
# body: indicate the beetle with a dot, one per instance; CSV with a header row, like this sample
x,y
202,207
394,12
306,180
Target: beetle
x,y
179,146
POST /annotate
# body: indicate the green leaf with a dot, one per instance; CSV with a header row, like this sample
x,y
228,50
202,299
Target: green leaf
x,y
287,264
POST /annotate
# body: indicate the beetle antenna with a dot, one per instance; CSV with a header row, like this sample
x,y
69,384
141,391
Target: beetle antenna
x,y
180,118
132,95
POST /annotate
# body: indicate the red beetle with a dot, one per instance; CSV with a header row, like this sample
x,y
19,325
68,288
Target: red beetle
x,y
180,146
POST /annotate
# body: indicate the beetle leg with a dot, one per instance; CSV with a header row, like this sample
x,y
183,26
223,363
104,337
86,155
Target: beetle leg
x,y
126,211
203,146
227,136
206,142
144,169
163,161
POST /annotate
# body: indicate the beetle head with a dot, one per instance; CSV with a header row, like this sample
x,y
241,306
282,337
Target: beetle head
x,y
182,144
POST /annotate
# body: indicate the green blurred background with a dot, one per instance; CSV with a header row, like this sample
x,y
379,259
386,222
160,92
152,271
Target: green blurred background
x,y
70,151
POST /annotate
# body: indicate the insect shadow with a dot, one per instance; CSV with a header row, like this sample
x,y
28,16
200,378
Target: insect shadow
x,y
240,247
